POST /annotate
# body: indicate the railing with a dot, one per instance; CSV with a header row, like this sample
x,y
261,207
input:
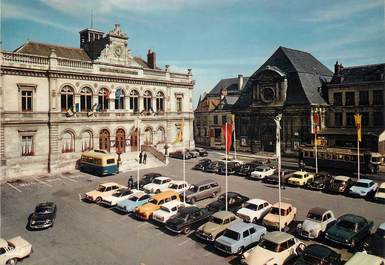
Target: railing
x,y
24,58
152,150
74,63
154,73
179,76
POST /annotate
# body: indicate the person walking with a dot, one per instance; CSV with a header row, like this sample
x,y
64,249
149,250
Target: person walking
x,y
130,182
140,157
145,158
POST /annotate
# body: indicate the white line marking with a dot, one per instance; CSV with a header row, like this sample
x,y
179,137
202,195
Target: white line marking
x,y
207,254
69,179
9,184
159,233
42,182
184,242
285,198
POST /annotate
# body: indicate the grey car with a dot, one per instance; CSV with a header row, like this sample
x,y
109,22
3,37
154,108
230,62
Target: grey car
x,y
239,236
202,190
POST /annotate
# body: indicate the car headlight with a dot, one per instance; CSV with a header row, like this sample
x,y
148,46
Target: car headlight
x,y
299,226
210,237
33,222
47,221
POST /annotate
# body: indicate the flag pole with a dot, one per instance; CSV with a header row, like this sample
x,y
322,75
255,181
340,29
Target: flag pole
x,y
235,139
278,153
358,158
226,160
184,160
138,142
357,120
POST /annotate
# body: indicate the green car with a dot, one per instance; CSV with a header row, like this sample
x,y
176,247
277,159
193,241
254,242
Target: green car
x,y
350,230
316,254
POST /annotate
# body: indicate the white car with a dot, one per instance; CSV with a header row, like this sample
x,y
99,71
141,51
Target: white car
x,y
316,223
13,250
179,186
275,249
159,184
262,172
254,210
118,196
168,210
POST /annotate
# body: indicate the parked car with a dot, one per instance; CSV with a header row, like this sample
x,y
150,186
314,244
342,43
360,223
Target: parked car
x,y
340,184
380,194
234,202
202,164
119,195
193,153
213,167
201,190
101,191
275,248
232,168
254,210
201,151
238,236
321,181
178,186
216,225
317,221
44,216
180,154
273,179
158,185
360,258
187,219
128,206
375,244
350,230
146,179
300,178
14,250
262,172
246,169
168,210
145,211
363,188
317,254
288,214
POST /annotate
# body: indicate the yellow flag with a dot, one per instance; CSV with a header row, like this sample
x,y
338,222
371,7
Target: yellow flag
x,y
179,135
233,121
357,120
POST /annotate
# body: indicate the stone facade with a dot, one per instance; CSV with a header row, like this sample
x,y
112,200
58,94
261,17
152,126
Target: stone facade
x,y
56,102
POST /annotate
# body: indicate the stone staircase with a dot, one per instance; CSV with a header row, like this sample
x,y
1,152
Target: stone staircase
x,y
130,162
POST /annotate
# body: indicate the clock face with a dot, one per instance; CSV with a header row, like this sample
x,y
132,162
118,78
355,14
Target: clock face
x,y
267,94
118,51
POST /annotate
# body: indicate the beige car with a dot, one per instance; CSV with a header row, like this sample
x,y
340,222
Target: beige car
x,y
102,191
216,225
288,214
13,250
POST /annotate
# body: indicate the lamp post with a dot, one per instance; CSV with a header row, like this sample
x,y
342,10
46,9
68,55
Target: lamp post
x,y
277,120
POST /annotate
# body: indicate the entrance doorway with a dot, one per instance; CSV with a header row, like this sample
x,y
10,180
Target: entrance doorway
x,y
134,140
120,141
104,140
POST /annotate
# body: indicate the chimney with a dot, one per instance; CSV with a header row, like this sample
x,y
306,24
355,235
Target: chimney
x,y
240,82
151,59
337,68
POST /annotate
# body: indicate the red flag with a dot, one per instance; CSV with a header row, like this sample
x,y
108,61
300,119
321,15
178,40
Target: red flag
x,y
227,132
315,121
107,94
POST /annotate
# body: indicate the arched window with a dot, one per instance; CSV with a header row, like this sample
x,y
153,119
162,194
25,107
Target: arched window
x,y
87,141
148,136
103,97
161,135
119,99
67,98
159,102
134,95
68,142
85,99
147,101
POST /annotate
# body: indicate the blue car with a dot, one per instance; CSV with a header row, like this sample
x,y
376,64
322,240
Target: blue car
x,y
130,204
239,236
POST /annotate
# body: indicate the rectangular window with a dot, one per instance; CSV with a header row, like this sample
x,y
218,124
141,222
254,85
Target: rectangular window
x,y
179,107
365,119
378,97
378,118
338,119
364,97
338,99
349,98
26,100
27,145
215,121
217,135
224,119
349,119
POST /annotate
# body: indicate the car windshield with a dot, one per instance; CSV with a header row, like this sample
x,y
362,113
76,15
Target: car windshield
x,y
165,209
194,188
173,186
259,169
216,220
382,190
222,197
120,193
314,216
183,215
153,201
157,181
298,176
231,234
275,210
134,198
347,225
43,210
339,182
101,188
380,232
361,184
311,258
251,206
269,245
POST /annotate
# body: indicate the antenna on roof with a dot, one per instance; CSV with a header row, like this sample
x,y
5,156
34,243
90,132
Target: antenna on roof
x,y
92,18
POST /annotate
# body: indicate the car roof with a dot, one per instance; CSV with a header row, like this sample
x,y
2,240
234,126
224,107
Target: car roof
x,y
382,226
319,250
164,194
223,214
382,185
178,182
3,243
301,172
264,167
153,174
318,210
205,182
231,194
46,204
188,210
171,204
256,201
241,226
353,218
342,178
360,258
163,177
364,181
108,184
284,205
278,237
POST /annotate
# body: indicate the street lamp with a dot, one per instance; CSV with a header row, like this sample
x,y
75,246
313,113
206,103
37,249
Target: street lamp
x,y
277,120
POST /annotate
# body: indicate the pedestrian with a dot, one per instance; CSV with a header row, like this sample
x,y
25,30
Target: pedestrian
x,y
145,158
140,157
283,180
130,182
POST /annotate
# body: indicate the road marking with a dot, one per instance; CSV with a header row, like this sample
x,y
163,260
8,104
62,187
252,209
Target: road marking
x,y
9,184
70,179
184,242
207,254
42,182
159,233
285,198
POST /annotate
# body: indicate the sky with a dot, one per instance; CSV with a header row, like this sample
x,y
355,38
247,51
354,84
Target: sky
x,y
215,38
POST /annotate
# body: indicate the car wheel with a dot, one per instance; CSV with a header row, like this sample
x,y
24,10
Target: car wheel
x,y
214,194
157,191
255,220
193,200
186,230
98,200
11,261
240,250
354,245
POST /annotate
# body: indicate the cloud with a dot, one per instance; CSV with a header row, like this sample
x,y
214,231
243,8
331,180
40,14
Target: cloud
x,y
342,10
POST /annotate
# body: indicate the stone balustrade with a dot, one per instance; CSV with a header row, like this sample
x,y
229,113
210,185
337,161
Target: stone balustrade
x,y
24,58
74,63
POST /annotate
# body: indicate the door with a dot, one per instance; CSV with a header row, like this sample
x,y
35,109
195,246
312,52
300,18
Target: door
x,y
268,139
134,140
120,141
104,140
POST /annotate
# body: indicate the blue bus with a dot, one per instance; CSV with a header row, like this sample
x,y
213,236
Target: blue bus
x,y
99,162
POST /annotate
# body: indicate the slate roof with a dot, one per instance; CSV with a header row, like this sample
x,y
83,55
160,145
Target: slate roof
x,y
231,84
227,102
304,73
360,74
44,49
